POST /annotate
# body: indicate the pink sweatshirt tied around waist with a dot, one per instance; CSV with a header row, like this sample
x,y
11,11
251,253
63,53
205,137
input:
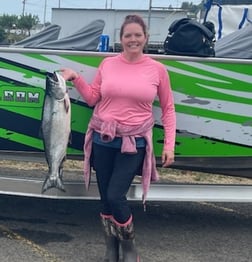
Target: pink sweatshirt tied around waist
x,y
109,130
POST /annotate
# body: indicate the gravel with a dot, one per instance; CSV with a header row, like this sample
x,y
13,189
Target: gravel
x,y
73,171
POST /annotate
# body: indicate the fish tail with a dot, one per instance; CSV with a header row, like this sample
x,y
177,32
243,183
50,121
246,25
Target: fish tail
x,y
53,182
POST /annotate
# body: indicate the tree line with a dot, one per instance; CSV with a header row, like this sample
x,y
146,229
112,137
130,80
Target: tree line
x,y
14,28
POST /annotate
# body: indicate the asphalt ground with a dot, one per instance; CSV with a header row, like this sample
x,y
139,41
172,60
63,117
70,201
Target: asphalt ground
x,y
51,230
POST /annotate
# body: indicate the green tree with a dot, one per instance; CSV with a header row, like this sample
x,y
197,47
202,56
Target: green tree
x,y
12,24
2,35
27,22
7,22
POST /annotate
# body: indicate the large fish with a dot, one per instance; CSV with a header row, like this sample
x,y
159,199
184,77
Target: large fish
x,y
56,128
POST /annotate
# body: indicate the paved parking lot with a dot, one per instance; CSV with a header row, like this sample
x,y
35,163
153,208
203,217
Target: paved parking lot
x,y
33,229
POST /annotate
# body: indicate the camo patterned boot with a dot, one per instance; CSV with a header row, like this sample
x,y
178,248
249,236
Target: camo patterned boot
x,y
125,233
112,243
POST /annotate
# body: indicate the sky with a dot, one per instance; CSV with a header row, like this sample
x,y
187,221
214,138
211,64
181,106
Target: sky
x,y
42,8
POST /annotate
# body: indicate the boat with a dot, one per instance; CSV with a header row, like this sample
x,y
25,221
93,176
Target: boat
x,y
213,100
213,103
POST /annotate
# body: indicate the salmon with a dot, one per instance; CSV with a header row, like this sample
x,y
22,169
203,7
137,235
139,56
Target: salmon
x,y
56,129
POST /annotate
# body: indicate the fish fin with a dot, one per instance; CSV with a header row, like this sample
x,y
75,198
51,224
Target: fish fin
x,y
70,138
67,104
52,183
40,132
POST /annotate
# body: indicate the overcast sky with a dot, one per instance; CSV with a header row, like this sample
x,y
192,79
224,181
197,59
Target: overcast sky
x,y
42,8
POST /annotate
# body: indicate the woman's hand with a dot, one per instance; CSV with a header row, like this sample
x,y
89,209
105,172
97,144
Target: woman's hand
x,y
68,74
167,158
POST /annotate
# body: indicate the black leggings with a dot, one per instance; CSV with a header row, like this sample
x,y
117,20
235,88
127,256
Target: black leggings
x,y
115,172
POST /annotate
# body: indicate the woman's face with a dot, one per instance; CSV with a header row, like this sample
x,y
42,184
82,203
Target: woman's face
x,y
133,39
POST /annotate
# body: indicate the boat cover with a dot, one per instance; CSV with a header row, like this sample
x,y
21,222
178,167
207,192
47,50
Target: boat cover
x,y
236,45
85,39
49,33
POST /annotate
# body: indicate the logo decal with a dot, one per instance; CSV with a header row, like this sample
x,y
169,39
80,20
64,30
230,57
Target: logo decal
x,y
14,97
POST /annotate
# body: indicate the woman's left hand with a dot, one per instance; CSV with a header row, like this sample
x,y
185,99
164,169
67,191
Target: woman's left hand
x,y
167,158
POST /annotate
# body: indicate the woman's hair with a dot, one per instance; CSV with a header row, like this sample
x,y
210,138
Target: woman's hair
x,y
133,19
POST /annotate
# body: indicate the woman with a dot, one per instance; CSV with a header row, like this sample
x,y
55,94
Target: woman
x,y
119,134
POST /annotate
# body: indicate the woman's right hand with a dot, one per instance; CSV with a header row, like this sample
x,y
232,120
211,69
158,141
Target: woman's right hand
x,y
68,74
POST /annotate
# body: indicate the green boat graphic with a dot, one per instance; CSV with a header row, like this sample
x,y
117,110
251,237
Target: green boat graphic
x,y
213,99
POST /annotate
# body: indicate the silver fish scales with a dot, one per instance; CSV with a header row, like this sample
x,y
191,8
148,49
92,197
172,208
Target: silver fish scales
x,y
56,128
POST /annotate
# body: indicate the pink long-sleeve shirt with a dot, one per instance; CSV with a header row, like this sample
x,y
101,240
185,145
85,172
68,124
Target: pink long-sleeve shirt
x,y
124,92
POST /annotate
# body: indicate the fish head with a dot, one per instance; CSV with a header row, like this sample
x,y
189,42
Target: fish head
x,y
55,85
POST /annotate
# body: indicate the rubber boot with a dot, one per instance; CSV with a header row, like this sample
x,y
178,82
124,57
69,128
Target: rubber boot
x,y
112,243
125,233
